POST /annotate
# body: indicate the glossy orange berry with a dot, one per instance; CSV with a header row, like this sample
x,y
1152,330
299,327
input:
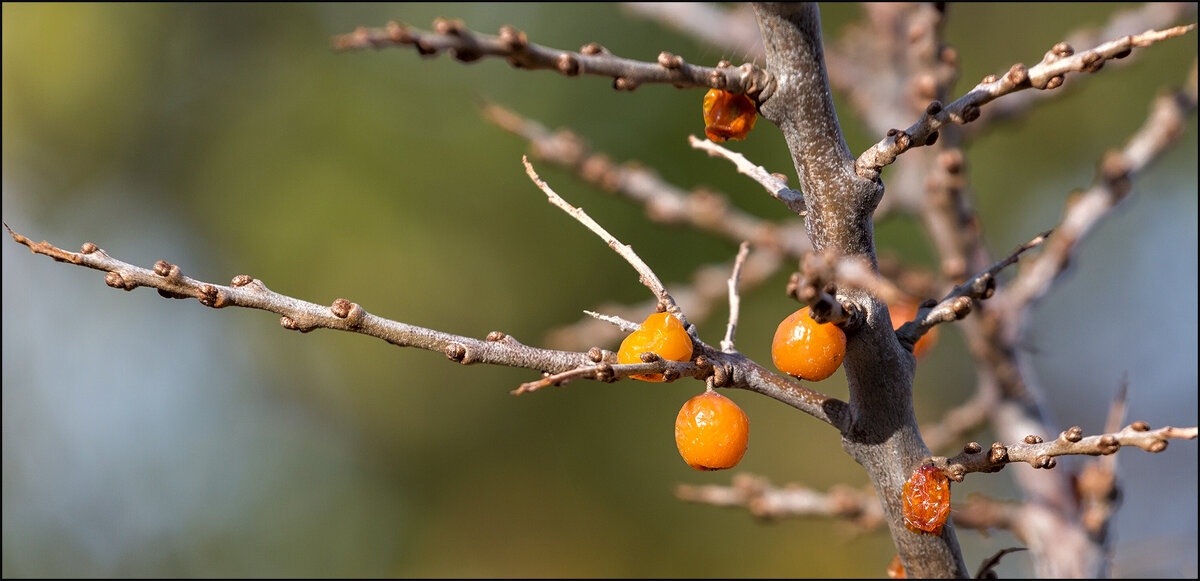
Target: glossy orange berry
x,y
807,350
926,500
728,115
711,432
660,334
905,311
895,568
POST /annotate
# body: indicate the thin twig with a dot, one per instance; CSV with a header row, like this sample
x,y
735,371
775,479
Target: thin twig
x,y
734,298
766,501
645,273
664,202
624,325
244,291
465,45
1112,183
1048,74
959,301
774,185
1036,452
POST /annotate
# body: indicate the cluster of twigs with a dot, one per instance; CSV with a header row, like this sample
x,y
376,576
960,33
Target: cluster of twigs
x,y
967,278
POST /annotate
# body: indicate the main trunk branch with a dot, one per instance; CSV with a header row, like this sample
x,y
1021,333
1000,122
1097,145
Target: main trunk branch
x,y
840,203
882,434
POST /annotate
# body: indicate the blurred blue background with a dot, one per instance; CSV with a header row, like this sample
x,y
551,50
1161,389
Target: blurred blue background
x,y
146,437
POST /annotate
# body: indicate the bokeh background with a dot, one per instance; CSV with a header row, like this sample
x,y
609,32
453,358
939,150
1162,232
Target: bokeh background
x,y
148,437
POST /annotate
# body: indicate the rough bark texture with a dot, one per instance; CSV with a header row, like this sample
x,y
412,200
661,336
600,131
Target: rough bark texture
x,y
883,435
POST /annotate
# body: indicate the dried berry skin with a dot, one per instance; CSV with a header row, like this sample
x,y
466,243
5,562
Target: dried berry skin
x,y
805,349
728,115
903,312
926,500
660,334
711,432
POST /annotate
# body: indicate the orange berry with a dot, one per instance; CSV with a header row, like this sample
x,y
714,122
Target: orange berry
x,y
895,568
728,115
660,334
926,500
804,349
711,432
905,311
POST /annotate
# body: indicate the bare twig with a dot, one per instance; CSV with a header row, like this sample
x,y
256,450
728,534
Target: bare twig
x,y
1048,74
986,568
465,45
1040,454
1112,183
698,298
765,501
295,314
734,298
958,302
1145,16
624,325
645,273
774,185
664,202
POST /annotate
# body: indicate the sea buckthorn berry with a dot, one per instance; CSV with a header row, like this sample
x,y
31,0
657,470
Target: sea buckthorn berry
x,y
660,334
805,349
926,500
895,568
728,115
903,312
711,432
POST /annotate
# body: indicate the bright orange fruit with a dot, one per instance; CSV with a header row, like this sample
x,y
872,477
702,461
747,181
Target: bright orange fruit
x,y
711,432
661,334
804,349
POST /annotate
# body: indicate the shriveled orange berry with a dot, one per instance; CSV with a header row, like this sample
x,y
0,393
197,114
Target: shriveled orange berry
x,y
807,350
660,334
711,432
926,500
905,311
728,115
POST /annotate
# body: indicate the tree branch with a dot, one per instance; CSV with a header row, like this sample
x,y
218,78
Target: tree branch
x,y
1048,74
840,203
1040,454
773,183
295,314
467,46
883,436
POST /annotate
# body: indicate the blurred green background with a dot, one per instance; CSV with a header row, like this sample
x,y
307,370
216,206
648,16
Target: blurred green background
x,y
146,437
